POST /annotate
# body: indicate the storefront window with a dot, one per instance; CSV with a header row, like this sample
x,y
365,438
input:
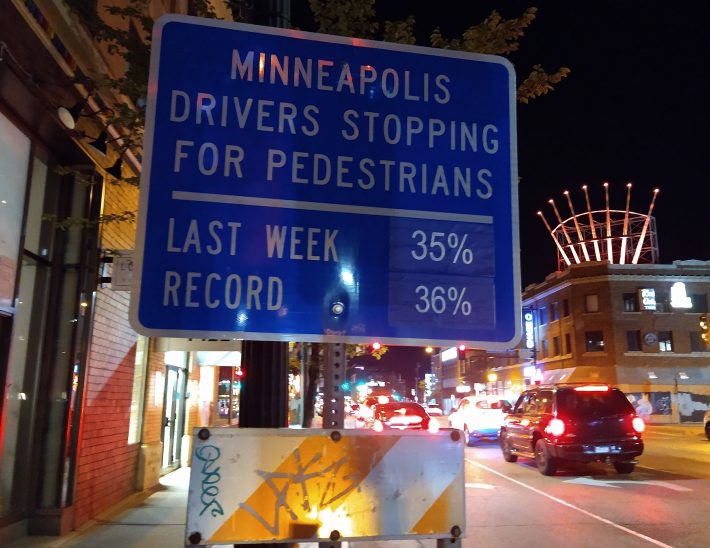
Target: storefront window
x,y
38,375
228,394
17,313
14,165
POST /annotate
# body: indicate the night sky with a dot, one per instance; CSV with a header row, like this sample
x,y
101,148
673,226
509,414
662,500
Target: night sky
x,y
634,109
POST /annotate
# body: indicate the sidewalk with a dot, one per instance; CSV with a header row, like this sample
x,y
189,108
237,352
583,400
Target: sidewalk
x,y
158,520
143,521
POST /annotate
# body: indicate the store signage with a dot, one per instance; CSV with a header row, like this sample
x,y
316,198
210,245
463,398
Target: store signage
x,y
529,329
679,297
122,271
647,298
306,187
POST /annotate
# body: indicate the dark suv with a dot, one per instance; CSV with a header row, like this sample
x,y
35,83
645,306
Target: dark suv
x,y
582,423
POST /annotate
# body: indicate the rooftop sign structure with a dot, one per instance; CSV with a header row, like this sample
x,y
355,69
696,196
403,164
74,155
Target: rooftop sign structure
x,y
619,236
307,187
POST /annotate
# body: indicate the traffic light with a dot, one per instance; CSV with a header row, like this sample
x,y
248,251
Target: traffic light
x,y
704,329
461,351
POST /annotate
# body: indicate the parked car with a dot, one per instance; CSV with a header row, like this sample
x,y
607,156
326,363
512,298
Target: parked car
x,y
706,422
479,417
434,410
401,416
581,423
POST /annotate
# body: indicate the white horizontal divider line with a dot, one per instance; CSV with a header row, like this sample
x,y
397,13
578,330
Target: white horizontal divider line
x,y
333,208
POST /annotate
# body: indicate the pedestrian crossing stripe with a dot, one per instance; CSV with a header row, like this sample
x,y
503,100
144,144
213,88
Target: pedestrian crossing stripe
x,y
361,486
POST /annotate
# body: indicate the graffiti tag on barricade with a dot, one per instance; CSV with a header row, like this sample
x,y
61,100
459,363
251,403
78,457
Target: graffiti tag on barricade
x,y
258,485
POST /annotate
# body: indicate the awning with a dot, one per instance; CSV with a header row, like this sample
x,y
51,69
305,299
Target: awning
x,y
580,374
651,375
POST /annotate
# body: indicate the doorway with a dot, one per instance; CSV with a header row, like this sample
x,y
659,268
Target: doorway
x,y
173,416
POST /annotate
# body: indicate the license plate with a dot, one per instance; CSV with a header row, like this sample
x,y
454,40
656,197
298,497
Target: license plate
x,y
602,449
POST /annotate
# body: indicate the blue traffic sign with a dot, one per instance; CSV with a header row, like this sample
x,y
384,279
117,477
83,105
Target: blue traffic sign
x,y
299,186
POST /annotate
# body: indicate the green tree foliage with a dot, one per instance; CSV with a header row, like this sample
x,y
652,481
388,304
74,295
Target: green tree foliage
x,y
357,18
495,35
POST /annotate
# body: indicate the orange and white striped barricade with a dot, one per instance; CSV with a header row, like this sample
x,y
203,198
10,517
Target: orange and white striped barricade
x,y
250,485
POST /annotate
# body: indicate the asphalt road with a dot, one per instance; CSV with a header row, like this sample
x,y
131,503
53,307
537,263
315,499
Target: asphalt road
x,y
665,502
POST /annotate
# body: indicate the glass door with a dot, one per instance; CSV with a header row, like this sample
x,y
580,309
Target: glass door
x,y
173,414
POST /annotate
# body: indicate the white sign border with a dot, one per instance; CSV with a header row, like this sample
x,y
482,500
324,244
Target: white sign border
x,y
313,337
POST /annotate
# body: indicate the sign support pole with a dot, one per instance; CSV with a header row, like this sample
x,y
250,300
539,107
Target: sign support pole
x,y
333,398
333,395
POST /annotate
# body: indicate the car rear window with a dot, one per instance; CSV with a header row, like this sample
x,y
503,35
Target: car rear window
x,y
597,404
401,408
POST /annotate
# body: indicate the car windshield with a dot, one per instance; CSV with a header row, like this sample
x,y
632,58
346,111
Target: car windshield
x,y
573,403
388,410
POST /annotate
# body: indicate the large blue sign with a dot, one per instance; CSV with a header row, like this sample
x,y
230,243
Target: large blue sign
x,y
300,186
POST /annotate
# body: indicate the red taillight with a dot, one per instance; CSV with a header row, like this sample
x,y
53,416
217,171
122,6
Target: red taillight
x,y
433,426
555,427
638,424
377,426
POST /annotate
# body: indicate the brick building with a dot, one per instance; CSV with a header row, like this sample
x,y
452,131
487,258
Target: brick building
x,y
634,326
91,412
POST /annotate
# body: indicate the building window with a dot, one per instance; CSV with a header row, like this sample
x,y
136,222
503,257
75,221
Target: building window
x,y
595,340
696,342
630,302
556,346
568,343
565,307
700,302
554,312
542,315
543,347
665,341
591,303
140,367
633,341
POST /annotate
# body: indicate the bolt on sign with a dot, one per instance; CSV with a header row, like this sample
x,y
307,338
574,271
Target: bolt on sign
x,y
266,485
300,186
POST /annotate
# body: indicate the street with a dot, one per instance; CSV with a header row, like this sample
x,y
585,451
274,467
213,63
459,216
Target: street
x,y
665,502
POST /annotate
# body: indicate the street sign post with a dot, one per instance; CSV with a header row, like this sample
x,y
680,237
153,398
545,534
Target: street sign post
x,y
307,187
